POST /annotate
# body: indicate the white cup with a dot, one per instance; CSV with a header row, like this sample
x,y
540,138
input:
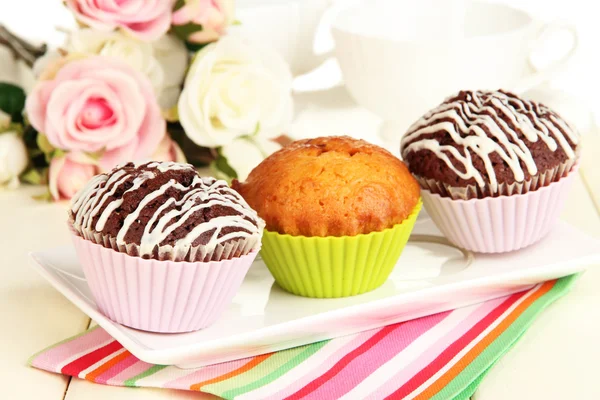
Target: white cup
x,y
400,58
289,26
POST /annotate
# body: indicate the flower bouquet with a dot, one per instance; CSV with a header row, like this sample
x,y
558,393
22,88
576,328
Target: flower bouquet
x,y
160,80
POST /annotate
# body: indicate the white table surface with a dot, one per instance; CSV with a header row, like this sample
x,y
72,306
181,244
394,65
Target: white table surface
x,y
556,359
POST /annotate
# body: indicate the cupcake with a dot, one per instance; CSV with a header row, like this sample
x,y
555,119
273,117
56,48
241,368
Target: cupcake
x,y
338,213
495,168
162,248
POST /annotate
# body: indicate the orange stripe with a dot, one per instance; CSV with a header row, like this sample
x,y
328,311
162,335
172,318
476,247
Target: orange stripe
x,y
255,361
106,366
483,344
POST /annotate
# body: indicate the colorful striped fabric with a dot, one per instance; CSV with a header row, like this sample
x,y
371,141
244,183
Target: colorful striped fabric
x,y
443,356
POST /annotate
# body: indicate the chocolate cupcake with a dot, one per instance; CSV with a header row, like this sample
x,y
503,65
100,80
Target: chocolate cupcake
x,y
495,168
486,144
162,248
165,211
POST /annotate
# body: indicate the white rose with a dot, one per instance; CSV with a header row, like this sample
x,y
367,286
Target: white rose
x,y
235,89
245,153
13,158
162,61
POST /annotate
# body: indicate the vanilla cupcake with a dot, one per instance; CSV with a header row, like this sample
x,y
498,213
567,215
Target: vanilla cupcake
x,y
338,214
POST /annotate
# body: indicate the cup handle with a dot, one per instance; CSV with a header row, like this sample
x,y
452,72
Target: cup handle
x,y
542,75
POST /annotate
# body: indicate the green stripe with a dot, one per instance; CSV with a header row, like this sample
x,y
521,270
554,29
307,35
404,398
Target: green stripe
x,y
150,371
470,377
261,370
292,363
469,391
33,357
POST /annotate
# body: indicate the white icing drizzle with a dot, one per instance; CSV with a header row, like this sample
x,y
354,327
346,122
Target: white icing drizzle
x,y
201,194
463,122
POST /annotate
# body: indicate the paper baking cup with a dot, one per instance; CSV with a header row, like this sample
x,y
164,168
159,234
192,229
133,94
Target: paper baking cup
x,y
499,224
326,267
167,252
160,296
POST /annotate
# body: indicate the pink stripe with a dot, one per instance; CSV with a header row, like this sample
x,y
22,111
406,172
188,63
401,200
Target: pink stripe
x,y
325,366
135,369
205,373
433,351
52,359
365,364
116,369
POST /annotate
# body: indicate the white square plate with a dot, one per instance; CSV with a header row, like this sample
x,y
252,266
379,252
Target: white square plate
x,y
432,276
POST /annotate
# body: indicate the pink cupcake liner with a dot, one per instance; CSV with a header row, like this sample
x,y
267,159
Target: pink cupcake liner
x,y
160,296
499,224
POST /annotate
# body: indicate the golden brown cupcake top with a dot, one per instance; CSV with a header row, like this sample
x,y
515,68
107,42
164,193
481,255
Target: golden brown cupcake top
x,y
330,186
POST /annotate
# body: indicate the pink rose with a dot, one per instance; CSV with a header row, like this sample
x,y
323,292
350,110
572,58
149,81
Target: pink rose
x,y
213,15
169,150
144,19
69,173
98,104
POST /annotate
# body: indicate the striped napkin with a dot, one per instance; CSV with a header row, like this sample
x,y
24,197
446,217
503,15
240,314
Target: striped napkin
x,y
442,356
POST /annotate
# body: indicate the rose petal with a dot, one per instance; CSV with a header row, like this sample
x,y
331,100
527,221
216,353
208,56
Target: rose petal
x,y
68,174
56,165
114,157
131,101
36,103
105,134
152,131
149,30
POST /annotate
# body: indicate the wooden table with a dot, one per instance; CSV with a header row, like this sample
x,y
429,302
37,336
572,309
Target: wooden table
x,y
556,359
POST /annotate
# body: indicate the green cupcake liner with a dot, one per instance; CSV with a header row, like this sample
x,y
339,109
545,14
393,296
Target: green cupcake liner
x,y
329,267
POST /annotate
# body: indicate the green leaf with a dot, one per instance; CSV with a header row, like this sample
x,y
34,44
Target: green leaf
x,y
195,46
12,100
46,196
12,128
35,152
44,144
222,169
30,137
184,31
97,155
256,130
32,176
178,5
56,153
16,127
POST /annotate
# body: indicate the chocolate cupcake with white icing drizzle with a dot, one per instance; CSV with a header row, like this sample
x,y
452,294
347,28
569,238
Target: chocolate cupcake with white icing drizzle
x,y
163,249
495,169
481,144
165,211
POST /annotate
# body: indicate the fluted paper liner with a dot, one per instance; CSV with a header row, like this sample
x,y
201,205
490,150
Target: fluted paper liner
x,y
543,179
160,296
499,224
327,267
169,253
